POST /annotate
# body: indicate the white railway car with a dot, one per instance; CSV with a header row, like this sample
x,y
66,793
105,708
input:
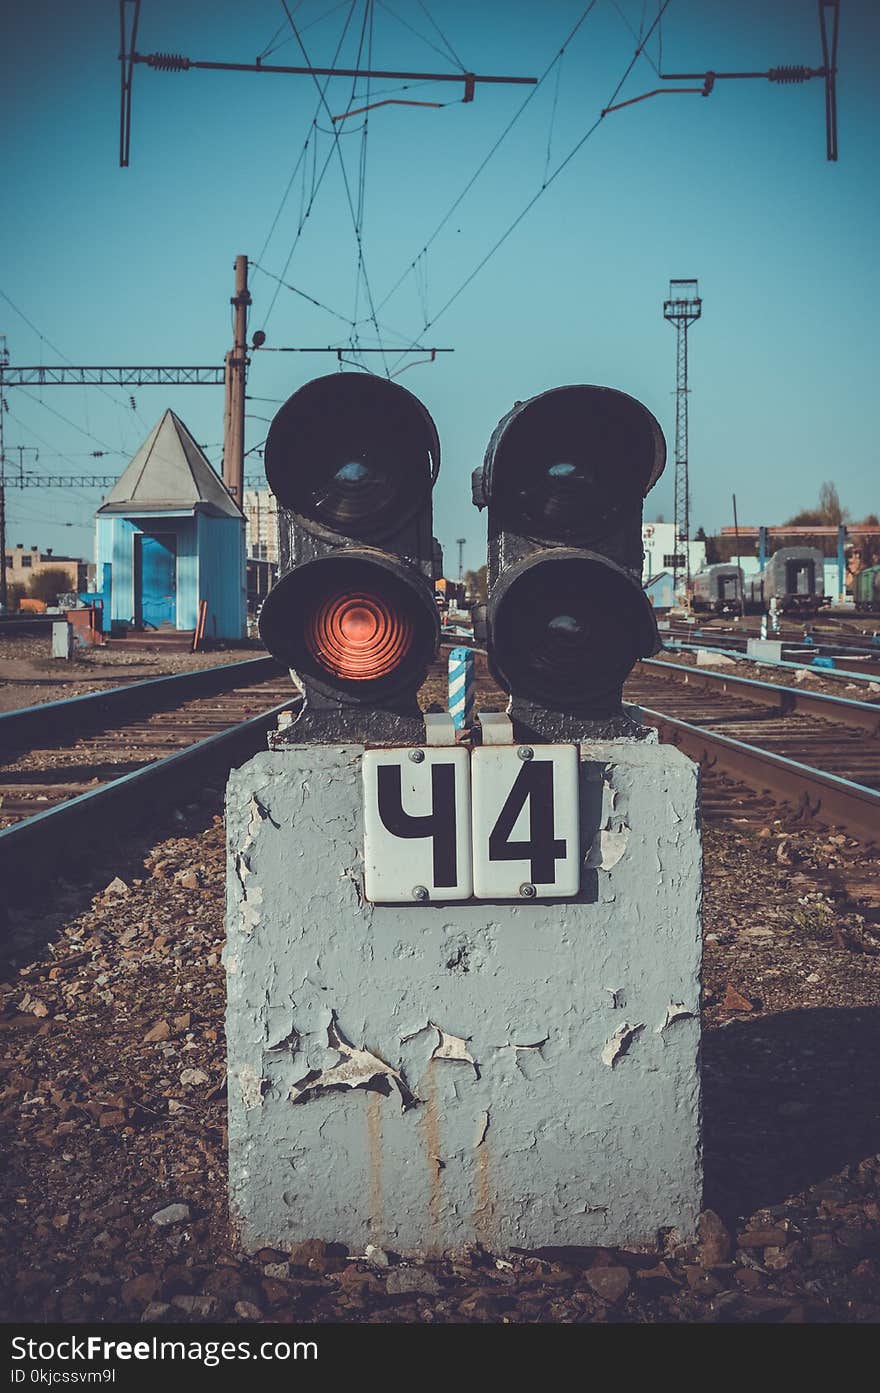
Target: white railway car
x,y
718,589
794,577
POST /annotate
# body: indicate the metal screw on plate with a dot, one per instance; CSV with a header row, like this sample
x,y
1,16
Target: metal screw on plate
x,y
528,891
419,893
526,752
417,756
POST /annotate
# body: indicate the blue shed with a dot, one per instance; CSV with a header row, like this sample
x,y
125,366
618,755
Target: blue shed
x,y
174,537
659,590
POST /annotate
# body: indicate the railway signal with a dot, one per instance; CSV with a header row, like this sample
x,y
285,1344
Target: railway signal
x,y
352,461
564,478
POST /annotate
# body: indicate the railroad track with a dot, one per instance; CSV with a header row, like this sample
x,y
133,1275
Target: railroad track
x,y
819,753
70,771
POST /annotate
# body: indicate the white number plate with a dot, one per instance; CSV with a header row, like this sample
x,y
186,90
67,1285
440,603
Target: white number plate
x,y
526,827
417,825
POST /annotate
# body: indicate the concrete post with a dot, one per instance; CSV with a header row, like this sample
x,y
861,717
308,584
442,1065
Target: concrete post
x,y
427,1077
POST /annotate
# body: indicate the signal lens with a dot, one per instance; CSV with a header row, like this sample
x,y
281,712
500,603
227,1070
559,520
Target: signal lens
x,y
358,637
567,630
352,454
566,465
357,625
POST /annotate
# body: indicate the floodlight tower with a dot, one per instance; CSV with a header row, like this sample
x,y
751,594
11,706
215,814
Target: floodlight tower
x,y
682,307
460,543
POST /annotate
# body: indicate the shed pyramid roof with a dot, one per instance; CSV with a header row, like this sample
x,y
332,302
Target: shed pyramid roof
x,y
169,472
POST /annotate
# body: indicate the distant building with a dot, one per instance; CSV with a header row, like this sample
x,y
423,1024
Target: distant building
x,y
261,524
174,539
22,564
659,590
658,540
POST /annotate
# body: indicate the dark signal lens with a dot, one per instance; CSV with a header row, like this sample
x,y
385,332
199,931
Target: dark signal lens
x,y
567,630
352,454
566,465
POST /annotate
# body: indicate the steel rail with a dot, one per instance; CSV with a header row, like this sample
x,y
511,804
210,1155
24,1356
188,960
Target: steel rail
x,y
67,831
833,673
862,715
60,719
829,799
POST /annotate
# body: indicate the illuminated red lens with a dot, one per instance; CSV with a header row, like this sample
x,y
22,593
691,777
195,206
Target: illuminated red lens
x,y
358,636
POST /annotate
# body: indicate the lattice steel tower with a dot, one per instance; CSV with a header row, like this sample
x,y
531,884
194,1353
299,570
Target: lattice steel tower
x,y
681,309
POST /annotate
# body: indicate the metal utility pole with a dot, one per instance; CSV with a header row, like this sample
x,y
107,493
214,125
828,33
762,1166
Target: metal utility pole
x,y
682,308
235,384
460,541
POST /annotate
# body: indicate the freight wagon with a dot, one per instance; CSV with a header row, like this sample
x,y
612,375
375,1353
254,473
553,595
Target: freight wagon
x,y
866,590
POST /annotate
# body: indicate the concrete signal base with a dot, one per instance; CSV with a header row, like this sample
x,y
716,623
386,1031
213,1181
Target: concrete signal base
x,y
429,1077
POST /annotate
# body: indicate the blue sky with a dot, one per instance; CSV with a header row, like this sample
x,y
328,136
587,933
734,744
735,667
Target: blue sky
x,y
134,265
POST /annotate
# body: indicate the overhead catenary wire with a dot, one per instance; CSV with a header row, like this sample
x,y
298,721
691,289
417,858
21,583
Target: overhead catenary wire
x,y
579,144
337,147
122,406
494,149
444,53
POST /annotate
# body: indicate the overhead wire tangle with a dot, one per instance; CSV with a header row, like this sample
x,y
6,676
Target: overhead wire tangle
x,y
444,53
66,419
315,185
122,406
282,28
544,186
443,39
636,36
337,147
303,294
483,163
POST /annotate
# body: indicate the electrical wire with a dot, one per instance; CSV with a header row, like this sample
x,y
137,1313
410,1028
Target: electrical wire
x,y
544,186
338,148
302,293
66,419
315,188
636,36
44,340
434,25
406,24
484,162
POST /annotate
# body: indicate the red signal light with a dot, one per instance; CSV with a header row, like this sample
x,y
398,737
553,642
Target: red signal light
x,y
358,636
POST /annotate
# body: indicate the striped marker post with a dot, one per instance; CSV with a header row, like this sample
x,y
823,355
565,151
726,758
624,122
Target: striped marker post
x,y
461,687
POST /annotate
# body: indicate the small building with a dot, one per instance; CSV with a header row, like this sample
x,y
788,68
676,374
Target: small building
x,y
174,538
661,553
22,563
659,590
261,516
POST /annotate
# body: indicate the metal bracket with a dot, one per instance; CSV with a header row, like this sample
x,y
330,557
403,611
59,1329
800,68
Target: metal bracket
x,y
439,728
497,727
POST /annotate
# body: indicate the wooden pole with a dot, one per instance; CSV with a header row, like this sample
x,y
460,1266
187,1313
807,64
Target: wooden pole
x,y
236,381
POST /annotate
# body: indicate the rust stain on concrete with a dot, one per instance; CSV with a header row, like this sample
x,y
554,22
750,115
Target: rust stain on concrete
x,y
430,1123
374,1145
484,1209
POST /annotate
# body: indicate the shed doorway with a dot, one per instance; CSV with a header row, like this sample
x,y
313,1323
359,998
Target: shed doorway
x,y
155,576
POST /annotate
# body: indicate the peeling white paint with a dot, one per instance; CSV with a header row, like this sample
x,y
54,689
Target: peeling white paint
x,y
675,1011
356,1068
452,1047
618,997
250,1086
616,1047
607,848
482,1129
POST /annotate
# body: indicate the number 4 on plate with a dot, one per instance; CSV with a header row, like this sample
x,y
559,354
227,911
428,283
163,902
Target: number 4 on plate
x,y
526,833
